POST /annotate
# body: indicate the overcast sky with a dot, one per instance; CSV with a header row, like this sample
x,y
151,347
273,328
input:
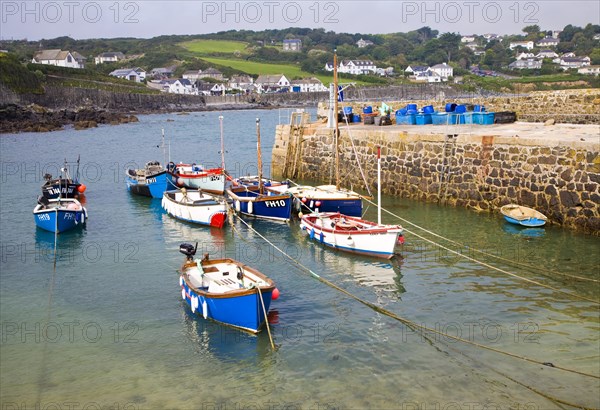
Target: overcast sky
x,y
35,20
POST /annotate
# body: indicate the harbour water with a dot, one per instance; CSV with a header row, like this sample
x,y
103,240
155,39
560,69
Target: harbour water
x,y
108,329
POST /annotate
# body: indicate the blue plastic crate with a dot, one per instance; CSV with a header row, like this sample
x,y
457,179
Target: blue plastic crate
x,y
468,118
422,119
439,118
483,118
408,119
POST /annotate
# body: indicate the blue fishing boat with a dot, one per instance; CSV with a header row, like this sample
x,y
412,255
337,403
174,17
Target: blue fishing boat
x,y
225,290
252,197
59,215
522,215
149,181
64,186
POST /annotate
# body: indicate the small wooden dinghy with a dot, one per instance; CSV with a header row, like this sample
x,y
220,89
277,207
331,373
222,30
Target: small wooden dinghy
x,y
522,215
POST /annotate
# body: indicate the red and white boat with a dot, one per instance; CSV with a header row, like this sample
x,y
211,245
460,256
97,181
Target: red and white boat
x,y
352,234
196,177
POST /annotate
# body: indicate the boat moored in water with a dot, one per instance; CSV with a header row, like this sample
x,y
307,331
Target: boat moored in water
x,y
351,234
60,214
149,181
522,215
195,207
196,177
225,290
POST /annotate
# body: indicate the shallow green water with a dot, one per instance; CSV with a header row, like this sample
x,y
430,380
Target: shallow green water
x,y
108,329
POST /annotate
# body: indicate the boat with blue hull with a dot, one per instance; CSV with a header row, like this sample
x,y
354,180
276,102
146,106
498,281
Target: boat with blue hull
x,y
253,199
150,181
248,200
323,198
225,290
59,215
522,215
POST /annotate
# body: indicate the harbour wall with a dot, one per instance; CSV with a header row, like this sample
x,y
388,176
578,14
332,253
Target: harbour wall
x,y
578,106
557,172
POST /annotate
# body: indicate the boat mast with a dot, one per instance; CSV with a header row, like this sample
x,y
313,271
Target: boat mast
x,y
379,185
335,116
164,148
259,157
222,145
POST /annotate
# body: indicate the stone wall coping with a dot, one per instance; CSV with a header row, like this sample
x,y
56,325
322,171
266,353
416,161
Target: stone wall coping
x,y
579,136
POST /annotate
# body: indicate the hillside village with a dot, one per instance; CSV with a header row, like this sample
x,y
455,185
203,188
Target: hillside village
x,y
454,56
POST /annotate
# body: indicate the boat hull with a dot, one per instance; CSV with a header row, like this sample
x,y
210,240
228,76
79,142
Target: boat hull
x,y
211,180
198,208
378,241
152,186
59,220
522,215
269,206
227,292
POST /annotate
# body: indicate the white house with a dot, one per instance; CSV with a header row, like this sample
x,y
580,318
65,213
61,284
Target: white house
x,y
546,54
525,44
161,73
414,69
467,39
490,36
364,43
241,82
548,42
428,76
110,57
132,74
205,88
308,85
357,67
525,56
384,72
596,36
574,62
265,83
591,70
179,86
529,64
293,44
59,58
443,70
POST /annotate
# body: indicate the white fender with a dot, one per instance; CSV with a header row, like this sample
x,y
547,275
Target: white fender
x,y
194,303
204,309
310,205
250,207
237,205
180,281
183,293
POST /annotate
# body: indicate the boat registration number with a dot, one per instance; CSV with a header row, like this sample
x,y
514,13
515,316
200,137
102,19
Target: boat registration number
x,y
215,177
44,217
275,204
150,180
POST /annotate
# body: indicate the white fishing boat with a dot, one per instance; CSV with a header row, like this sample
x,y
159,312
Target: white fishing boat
x,y
196,177
351,234
195,207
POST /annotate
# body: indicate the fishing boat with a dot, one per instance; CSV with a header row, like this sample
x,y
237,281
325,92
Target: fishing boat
x,y
64,186
352,234
149,181
255,200
197,177
59,214
195,207
225,290
328,198
522,215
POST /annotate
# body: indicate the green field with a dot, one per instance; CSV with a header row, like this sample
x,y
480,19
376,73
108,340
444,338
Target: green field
x,y
204,47
253,67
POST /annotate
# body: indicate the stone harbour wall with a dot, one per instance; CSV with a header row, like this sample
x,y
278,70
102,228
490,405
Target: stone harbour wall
x,y
560,178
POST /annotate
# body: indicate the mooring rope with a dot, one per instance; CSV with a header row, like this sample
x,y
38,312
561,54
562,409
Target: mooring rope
x,y
524,265
408,322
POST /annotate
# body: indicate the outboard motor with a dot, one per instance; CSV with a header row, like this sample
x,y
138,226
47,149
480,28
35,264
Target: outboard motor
x,y
188,250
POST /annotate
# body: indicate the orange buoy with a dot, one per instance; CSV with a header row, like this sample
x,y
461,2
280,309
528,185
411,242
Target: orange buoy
x,y
81,188
275,294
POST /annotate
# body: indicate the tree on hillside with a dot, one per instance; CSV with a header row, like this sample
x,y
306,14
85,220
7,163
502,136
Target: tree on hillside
x,y
533,32
449,44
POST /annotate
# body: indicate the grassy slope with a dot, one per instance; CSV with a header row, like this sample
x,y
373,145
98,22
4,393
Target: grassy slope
x,y
204,47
